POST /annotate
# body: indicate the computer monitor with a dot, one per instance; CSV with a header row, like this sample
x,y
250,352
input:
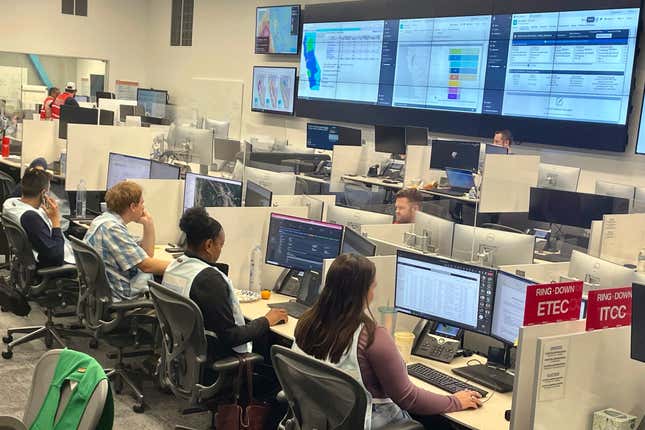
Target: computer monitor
x,y
638,322
416,136
460,179
326,136
456,154
75,115
257,195
390,140
159,170
572,208
273,90
301,244
282,184
355,218
104,95
355,243
209,192
557,177
153,102
496,149
492,247
220,128
226,149
597,273
129,110
83,99
106,117
437,231
508,311
447,291
277,29
122,167
612,189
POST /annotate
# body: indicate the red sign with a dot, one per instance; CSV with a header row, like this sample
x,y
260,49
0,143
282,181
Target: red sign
x,y
609,308
551,303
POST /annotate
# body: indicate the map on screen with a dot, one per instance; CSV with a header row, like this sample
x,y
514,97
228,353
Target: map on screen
x,y
276,30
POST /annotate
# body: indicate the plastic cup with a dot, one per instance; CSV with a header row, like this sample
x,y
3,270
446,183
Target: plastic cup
x,y
404,341
388,318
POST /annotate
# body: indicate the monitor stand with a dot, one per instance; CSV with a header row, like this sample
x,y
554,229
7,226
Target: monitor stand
x,y
492,377
292,281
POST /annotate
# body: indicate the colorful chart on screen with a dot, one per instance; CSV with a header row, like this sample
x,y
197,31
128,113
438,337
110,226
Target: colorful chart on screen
x,y
273,89
277,29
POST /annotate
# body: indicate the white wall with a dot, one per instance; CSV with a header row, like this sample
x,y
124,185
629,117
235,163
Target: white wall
x,y
223,45
114,30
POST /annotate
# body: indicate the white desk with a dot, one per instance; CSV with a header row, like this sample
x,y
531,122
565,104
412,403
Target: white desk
x,y
463,198
489,417
372,181
11,161
312,179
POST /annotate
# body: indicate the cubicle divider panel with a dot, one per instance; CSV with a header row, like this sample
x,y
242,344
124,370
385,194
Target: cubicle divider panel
x,y
542,273
345,162
598,374
245,228
623,237
417,164
507,181
164,200
39,139
88,147
393,233
525,365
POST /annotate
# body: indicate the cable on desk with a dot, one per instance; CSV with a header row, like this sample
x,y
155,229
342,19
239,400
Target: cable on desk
x,y
474,360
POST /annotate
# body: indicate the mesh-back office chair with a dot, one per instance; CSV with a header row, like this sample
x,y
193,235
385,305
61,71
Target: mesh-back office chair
x,y
7,185
40,382
51,288
117,323
360,196
184,356
321,396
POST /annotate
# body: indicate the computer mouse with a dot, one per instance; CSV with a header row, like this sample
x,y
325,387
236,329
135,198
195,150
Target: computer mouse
x,y
281,322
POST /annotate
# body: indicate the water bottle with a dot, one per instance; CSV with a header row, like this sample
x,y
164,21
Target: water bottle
x,y
255,283
641,261
81,199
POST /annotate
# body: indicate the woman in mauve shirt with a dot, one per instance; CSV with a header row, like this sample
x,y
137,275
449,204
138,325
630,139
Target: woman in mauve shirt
x,y
340,330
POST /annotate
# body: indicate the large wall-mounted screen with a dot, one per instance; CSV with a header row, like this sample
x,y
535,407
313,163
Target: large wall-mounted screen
x,y
566,68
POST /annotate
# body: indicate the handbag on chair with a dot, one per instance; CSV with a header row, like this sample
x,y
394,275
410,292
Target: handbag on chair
x,y
232,416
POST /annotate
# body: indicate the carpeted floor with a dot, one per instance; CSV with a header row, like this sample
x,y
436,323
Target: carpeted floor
x,y
162,410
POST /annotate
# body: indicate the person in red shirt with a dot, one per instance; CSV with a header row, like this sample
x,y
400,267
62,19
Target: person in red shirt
x,y
46,109
66,98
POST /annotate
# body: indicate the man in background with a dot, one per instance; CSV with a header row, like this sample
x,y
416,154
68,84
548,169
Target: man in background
x,y
66,99
46,109
503,138
407,203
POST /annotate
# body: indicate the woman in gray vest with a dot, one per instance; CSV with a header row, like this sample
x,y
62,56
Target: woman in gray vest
x,y
340,330
197,275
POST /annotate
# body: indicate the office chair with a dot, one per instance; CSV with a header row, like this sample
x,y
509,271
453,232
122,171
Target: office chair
x,y
184,357
117,323
321,396
51,288
360,196
7,185
40,382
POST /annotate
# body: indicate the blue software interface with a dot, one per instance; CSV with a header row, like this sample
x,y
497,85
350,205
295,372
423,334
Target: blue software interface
x,y
322,136
574,66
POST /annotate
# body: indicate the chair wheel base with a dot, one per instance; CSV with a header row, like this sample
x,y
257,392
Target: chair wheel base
x,y
7,339
7,355
138,409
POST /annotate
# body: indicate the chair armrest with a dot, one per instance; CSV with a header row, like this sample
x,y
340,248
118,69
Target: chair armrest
x,y
128,305
230,364
64,271
406,425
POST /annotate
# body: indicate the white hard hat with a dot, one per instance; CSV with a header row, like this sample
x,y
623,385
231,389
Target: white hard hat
x,y
70,86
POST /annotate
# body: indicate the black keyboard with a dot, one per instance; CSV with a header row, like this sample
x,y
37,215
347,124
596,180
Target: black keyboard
x,y
294,309
451,192
441,380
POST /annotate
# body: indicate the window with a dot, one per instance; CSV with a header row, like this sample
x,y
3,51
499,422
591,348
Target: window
x,y
74,7
181,23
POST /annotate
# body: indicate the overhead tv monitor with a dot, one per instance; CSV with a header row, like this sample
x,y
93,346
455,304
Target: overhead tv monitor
x,y
326,136
209,192
455,154
159,170
257,195
122,167
302,244
443,290
474,69
277,29
355,243
75,115
390,140
571,208
273,90
153,102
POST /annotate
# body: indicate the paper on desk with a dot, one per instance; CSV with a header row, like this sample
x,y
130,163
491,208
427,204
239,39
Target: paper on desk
x,y
554,356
